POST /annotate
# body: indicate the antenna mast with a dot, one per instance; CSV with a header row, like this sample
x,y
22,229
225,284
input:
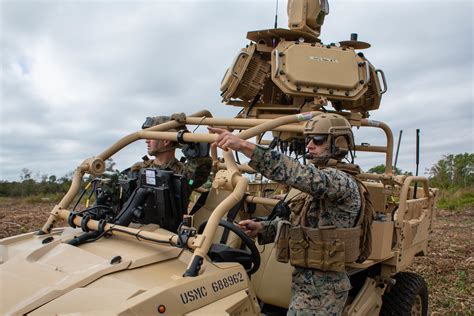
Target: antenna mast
x,y
417,159
276,15
398,148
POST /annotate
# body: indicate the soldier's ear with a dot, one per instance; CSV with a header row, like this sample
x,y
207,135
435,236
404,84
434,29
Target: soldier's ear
x,y
341,147
169,143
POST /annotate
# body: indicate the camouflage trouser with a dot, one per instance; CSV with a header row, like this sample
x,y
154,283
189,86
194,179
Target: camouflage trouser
x,y
316,292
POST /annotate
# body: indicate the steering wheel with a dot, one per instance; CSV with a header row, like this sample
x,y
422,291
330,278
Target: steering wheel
x,y
250,259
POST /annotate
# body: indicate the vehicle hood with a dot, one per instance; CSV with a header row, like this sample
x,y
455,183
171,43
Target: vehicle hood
x,y
35,277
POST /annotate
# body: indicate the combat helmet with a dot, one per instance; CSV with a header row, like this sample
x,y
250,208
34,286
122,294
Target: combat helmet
x,y
157,120
336,130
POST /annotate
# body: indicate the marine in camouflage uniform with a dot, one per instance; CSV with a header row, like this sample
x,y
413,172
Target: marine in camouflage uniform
x,y
314,292
329,197
196,169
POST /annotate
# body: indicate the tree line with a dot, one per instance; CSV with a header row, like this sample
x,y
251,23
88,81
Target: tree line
x,y
35,185
452,171
41,184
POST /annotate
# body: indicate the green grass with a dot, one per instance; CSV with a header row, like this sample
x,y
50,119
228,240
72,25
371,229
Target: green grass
x,y
33,199
456,198
44,198
6,199
462,282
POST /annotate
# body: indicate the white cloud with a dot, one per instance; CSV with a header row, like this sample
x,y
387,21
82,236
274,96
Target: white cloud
x,y
78,75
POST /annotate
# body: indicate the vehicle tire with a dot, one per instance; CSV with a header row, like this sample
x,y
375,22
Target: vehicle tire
x,y
409,296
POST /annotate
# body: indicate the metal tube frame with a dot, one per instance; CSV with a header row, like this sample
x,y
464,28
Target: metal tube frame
x,y
251,128
201,243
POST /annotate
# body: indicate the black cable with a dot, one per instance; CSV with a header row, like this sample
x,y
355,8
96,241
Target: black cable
x,y
199,124
96,238
304,103
82,195
252,104
236,154
142,237
93,208
78,200
92,191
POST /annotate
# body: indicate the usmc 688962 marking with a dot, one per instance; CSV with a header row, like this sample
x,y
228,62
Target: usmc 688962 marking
x,y
227,281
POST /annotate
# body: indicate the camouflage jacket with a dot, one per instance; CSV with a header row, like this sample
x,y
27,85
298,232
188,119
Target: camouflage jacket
x,y
331,197
196,170
332,188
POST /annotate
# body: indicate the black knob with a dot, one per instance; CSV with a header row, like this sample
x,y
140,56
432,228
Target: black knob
x,y
353,36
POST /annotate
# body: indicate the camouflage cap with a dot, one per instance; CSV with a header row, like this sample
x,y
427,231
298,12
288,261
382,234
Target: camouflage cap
x,y
157,120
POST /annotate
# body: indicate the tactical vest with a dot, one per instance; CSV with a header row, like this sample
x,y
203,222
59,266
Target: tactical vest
x,y
325,248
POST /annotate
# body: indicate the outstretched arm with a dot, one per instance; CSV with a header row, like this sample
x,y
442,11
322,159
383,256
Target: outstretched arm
x,y
226,140
274,165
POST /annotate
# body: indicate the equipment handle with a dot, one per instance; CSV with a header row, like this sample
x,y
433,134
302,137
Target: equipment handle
x,y
380,71
233,72
277,62
367,72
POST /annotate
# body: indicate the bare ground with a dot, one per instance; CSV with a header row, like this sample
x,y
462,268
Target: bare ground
x,y
448,269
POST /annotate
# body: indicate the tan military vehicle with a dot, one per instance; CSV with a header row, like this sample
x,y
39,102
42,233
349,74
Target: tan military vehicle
x,y
151,256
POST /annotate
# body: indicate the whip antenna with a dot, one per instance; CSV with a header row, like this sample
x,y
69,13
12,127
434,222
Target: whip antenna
x,y
417,159
276,15
398,149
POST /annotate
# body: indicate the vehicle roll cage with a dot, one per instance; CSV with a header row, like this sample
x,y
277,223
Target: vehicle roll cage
x,y
229,177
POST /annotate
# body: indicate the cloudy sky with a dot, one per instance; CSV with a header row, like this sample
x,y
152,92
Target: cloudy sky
x,y
75,76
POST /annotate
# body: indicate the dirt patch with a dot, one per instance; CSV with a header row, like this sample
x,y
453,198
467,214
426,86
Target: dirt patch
x,y
18,217
448,269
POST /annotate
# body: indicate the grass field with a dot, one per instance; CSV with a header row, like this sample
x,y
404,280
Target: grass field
x,y
448,269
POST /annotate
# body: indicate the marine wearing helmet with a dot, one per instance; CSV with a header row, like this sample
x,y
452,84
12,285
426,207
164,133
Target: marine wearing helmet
x,y
324,197
333,130
196,165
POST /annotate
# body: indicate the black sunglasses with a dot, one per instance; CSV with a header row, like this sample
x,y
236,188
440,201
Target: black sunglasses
x,y
318,140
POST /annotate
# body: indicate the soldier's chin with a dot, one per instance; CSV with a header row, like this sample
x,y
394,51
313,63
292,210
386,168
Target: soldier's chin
x,y
151,152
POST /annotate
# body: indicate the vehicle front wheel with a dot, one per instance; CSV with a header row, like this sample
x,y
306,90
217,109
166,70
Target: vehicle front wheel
x,y
409,296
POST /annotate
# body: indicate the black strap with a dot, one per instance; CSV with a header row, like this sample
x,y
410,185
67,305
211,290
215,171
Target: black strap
x,y
101,226
363,192
70,219
84,221
179,136
231,215
199,203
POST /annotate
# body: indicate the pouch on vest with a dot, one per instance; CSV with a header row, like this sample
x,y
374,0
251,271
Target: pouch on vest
x,y
308,249
282,241
298,247
323,253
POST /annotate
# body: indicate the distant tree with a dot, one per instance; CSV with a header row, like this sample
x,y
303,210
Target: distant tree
x,y
44,178
25,174
110,165
453,170
52,179
381,169
40,184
